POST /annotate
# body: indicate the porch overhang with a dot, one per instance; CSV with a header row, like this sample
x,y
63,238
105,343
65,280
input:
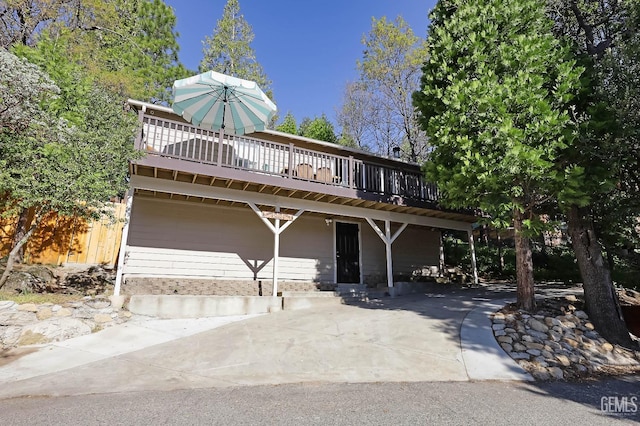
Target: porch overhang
x,y
233,191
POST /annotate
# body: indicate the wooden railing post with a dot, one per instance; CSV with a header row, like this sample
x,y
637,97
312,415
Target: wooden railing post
x,y
220,146
181,141
352,172
139,138
290,168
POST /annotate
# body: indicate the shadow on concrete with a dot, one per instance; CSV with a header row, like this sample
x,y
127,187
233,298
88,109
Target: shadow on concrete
x,y
450,303
447,303
615,398
462,315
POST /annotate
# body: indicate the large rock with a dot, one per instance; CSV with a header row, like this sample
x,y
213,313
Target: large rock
x,y
56,329
28,307
9,335
505,339
581,314
538,326
563,359
30,279
64,312
17,318
7,304
556,373
94,281
519,347
534,345
98,303
538,335
102,318
44,313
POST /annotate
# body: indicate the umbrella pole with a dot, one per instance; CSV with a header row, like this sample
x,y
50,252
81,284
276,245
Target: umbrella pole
x,y
221,137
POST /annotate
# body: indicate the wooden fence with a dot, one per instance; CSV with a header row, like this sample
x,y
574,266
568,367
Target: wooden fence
x,y
61,240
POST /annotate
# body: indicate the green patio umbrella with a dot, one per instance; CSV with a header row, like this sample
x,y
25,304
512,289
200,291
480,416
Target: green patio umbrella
x,y
221,102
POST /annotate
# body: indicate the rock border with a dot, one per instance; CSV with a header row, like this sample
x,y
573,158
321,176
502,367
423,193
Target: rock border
x,y
558,342
32,324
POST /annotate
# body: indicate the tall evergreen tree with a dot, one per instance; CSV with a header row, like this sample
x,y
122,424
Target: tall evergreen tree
x,y
228,50
494,101
288,125
320,128
604,204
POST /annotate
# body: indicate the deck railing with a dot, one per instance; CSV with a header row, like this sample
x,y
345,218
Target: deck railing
x,y
186,142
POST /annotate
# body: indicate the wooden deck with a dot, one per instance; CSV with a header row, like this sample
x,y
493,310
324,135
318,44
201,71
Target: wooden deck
x,y
266,163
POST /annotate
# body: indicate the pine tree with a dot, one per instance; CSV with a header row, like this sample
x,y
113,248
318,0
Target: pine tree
x,y
228,50
494,102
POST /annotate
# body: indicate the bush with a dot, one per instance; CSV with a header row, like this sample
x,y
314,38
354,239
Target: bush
x,y
549,263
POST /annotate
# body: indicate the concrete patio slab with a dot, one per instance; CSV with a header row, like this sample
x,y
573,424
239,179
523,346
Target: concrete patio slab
x,y
404,339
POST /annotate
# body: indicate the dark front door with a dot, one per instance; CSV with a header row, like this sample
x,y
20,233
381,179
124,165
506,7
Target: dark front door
x,y
347,253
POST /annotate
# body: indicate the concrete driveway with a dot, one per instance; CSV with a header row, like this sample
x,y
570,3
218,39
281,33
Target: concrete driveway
x,y
406,339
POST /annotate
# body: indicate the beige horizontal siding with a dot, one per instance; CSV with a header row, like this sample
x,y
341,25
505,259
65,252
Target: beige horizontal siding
x,y
374,267
416,249
173,239
189,240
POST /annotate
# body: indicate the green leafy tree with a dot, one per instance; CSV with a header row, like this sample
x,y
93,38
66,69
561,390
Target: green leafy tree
x,y
228,50
288,125
320,128
50,164
130,46
494,102
133,49
381,100
52,57
602,206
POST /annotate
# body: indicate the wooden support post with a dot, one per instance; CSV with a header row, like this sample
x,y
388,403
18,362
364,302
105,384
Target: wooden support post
x,y
472,250
387,243
123,243
276,252
388,240
277,230
442,262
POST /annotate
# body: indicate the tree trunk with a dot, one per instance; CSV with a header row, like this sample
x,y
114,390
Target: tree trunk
x,y
21,230
601,300
524,266
16,248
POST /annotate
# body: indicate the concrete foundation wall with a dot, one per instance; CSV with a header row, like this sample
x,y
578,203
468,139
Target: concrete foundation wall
x,y
202,306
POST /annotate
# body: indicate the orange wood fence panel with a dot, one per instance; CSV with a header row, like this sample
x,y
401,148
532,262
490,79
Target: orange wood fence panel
x,y
61,240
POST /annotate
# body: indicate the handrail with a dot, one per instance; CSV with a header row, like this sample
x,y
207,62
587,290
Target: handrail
x,y
169,138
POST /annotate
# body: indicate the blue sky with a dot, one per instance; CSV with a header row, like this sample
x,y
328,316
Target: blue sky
x,y
307,48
